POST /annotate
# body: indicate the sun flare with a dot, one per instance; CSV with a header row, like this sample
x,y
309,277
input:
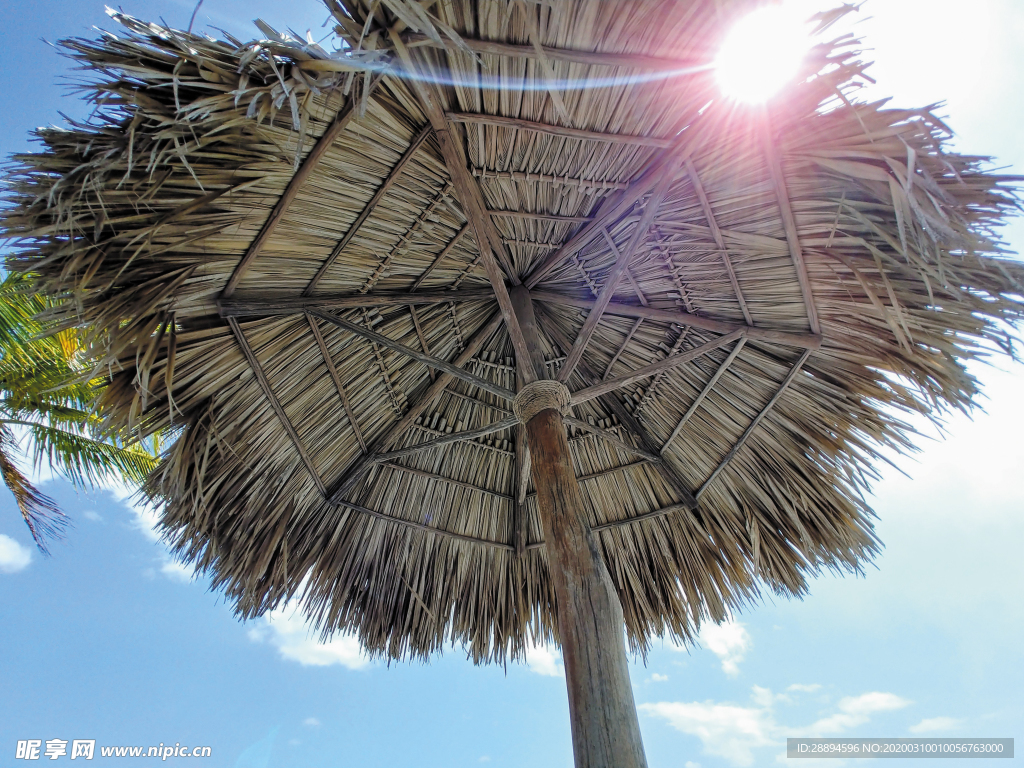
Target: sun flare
x,y
762,53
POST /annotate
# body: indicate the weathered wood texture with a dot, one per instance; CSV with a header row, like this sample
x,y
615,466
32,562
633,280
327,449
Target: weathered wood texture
x,y
605,728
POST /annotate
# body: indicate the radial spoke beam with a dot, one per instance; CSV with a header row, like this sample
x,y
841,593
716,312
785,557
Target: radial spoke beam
x,y
619,269
622,347
433,362
703,393
716,233
426,528
598,58
471,196
778,178
801,340
610,438
757,420
606,473
454,437
554,217
672,361
329,362
557,130
668,472
265,304
309,164
358,469
440,257
653,515
289,428
443,479
369,208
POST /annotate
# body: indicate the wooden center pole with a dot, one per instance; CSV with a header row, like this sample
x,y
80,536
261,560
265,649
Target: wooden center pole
x,y
602,713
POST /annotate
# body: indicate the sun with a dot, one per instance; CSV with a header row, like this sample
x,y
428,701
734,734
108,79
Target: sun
x,y
762,53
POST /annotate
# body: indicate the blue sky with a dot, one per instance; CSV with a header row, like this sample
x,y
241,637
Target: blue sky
x,y
109,640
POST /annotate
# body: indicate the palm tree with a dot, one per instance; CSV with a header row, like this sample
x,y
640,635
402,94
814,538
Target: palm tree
x,y
46,413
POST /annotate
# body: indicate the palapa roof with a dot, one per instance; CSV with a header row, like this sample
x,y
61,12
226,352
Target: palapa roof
x,y
237,220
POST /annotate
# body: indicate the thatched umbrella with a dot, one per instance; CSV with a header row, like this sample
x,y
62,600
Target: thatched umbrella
x,y
501,325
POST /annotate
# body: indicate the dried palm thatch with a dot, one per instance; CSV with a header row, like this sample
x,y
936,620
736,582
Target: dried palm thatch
x,y
274,257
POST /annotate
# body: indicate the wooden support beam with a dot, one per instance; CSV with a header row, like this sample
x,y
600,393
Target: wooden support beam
x,y
434,362
557,130
611,210
265,304
609,437
778,178
477,402
602,712
443,479
419,335
440,257
585,371
329,362
289,428
619,268
521,479
672,361
528,322
425,528
802,340
757,420
472,199
540,216
597,58
312,160
704,393
716,233
639,518
368,209
605,728
454,437
622,347
605,473
358,469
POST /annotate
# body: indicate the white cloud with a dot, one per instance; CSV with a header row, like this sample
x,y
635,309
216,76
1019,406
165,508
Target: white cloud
x,y
856,710
725,730
176,571
936,725
800,688
544,661
311,722
691,764
93,515
734,731
13,556
729,641
656,678
286,629
485,758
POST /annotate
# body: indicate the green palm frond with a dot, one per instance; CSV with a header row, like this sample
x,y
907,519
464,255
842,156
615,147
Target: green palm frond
x,y
45,520
45,390
84,460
